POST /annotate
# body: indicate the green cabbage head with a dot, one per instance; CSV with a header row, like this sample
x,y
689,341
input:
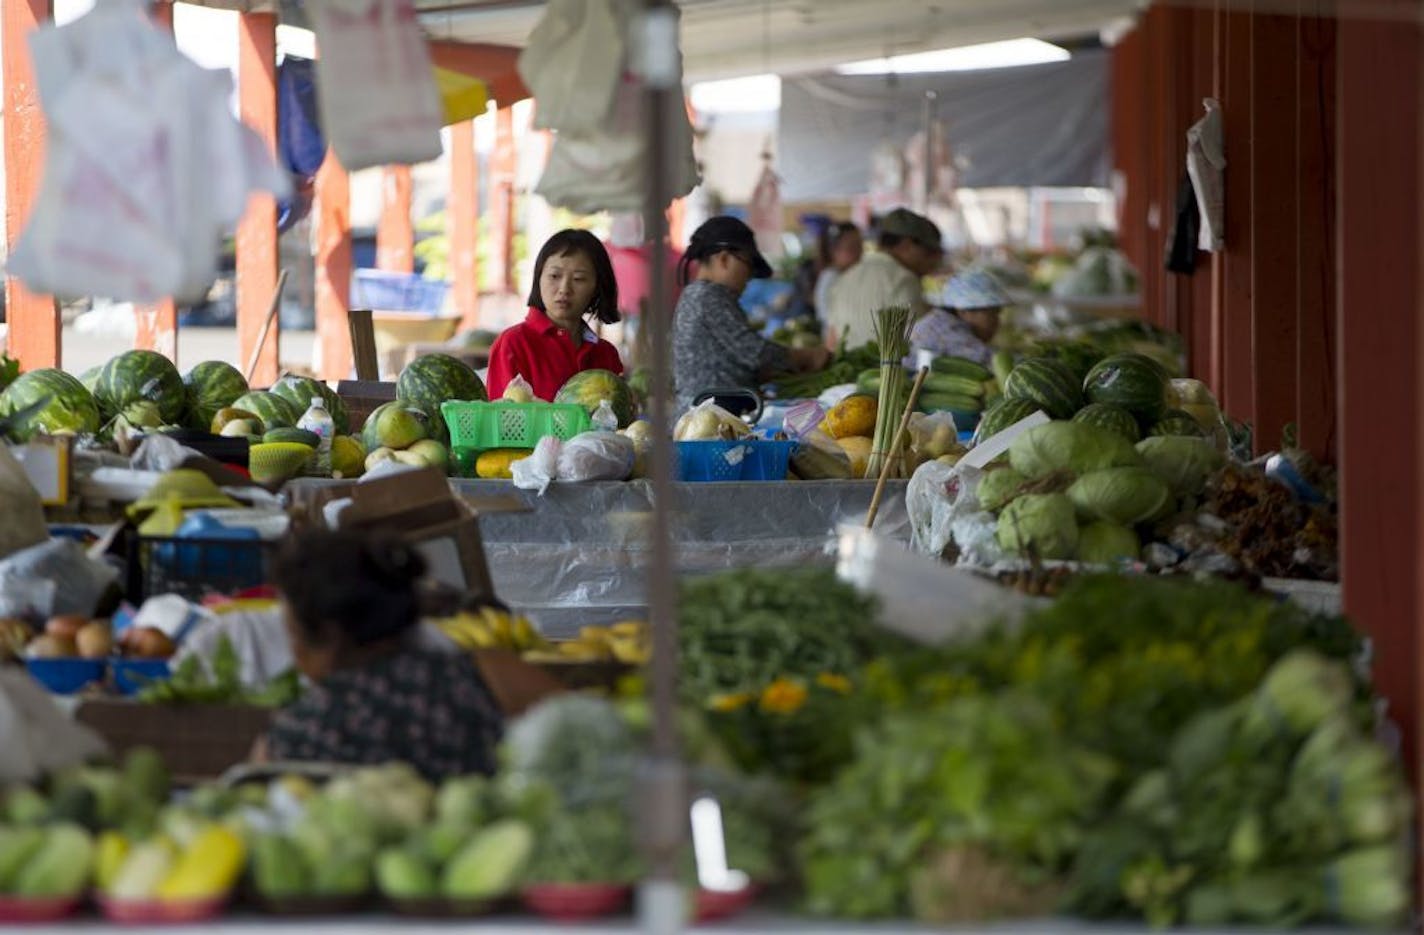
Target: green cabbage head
x,y
1070,446
1103,543
1043,523
1125,496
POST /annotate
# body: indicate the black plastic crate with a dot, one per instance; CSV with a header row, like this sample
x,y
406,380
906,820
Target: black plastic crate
x,y
194,567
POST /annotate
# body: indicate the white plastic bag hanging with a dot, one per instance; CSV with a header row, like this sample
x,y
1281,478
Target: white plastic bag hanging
x,y
573,63
1206,163
379,102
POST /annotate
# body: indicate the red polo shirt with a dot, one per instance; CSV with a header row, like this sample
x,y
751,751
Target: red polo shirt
x,y
546,355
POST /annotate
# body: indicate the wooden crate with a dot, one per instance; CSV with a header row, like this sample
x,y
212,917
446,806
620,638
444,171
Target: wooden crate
x,y
198,742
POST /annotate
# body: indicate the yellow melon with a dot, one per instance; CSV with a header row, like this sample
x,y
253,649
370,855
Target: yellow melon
x,y
852,416
857,448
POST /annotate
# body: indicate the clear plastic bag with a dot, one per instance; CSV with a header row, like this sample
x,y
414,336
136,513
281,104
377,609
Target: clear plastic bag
x,y
540,469
708,421
604,417
595,456
79,581
933,436
518,390
24,523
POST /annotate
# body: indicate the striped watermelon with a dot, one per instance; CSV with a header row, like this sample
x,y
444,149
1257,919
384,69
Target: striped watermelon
x,y
90,378
591,387
1110,417
430,380
71,408
1136,383
1049,383
1003,414
274,411
1177,422
300,391
211,385
138,376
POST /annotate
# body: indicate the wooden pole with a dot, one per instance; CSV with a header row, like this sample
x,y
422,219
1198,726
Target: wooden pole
x,y
395,233
267,323
333,268
462,221
257,231
363,344
157,322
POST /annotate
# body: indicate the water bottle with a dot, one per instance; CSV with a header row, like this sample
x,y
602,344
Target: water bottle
x,y
319,422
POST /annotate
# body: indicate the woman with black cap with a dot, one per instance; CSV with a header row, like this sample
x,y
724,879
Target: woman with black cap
x,y
713,345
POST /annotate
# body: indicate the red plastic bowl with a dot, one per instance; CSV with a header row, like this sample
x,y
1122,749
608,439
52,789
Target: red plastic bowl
x,y
154,912
17,911
575,902
716,904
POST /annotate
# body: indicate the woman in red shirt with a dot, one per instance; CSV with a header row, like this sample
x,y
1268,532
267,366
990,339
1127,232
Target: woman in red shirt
x,y
573,281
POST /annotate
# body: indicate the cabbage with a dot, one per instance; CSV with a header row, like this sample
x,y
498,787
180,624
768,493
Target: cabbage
x,y
1301,691
1184,463
1104,543
1125,495
1070,446
1043,523
998,487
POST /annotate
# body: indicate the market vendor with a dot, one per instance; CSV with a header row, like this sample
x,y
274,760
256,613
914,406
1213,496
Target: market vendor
x,y
352,613
573,284
963,321
713,344
909,248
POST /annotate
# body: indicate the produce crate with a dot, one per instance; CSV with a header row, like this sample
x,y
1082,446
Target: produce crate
x,y
477,426
198,742
194,567
748,459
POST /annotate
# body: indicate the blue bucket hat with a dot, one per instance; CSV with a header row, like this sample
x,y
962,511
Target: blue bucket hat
x,y
973,289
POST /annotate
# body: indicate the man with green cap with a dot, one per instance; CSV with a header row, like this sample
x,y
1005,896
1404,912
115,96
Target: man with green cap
x,y
909,250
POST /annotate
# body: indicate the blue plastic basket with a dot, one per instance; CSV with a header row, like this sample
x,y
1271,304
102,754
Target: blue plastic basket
x,y
133,675
743,460
397,292
65,676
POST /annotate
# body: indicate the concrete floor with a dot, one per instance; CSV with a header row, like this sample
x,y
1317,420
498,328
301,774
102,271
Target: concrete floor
x,y
83,350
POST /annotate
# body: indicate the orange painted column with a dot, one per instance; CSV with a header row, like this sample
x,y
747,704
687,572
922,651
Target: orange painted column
x,y
395,233
333,268
157,322
257,257
502,200
34,327
1380,296
462,220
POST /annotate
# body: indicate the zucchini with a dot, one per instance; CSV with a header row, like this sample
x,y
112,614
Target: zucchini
x,y
942,384
960,367
934,402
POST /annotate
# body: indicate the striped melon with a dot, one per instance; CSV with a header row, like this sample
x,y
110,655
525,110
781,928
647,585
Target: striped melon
x,y
299,391
1003,414
141,376
1177,422
1133,381
1048,383
1110,417
69,406
274,411
211,386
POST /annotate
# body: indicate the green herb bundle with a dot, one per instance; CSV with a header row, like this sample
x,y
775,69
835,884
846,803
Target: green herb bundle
x,y
892,334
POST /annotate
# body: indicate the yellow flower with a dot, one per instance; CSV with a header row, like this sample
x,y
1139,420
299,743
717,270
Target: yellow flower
x,y
731,702
783,696
836,683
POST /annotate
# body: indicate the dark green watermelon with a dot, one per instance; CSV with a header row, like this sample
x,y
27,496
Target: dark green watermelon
x,y
591,387
90,378
1003,414
210,386
300,391
1178,422
1049,383
70,407
432,379
274,411
138,376
1110,417
1132,381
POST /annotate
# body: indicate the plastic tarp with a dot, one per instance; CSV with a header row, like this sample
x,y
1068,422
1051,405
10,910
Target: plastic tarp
x,y
578,556
1038,125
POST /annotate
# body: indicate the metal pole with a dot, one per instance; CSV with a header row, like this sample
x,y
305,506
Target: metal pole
x,y
925,183
662,800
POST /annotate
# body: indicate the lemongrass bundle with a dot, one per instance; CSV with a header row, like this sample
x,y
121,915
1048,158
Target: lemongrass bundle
x,y
892,334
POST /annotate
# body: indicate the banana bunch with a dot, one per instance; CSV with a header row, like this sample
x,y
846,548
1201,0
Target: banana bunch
x,y
491,629
628,642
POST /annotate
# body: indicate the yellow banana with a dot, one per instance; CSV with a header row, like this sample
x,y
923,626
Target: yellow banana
x,y
207,868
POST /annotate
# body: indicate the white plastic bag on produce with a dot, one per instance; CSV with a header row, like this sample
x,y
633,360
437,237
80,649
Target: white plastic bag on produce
x,y
146,168
595,456
708,421
945,513
379,102
79,581
37,737
24,519
1206,166
540,469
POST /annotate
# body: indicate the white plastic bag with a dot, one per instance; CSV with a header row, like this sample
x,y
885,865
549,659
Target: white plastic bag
x,y
37,737
595,456
379,102
708,421
604,418
573,62
79,581
540,469
24,519
1206,164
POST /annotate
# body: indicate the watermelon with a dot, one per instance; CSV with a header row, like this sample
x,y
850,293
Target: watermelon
x,y
90,378
430,380
395,424
1049,383
1003,414
1110,417
71,408
135,376
591,387
274,411
1177,422
1132,381
211,385
300,391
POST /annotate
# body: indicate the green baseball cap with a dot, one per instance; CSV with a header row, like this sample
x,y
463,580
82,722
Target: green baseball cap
x,y
905,223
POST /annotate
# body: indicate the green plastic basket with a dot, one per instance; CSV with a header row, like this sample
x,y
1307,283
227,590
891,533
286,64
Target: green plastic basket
x,y
483,426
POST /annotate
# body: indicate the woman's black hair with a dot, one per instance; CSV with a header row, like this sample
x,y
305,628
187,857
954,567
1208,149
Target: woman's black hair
x,y
833,235
697,251
572,240
348,587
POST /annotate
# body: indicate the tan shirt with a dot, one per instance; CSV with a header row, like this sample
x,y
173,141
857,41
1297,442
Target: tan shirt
x,y
877,281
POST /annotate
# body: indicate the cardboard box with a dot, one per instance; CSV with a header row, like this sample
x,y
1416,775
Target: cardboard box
x,y
46,460
420,507
362,397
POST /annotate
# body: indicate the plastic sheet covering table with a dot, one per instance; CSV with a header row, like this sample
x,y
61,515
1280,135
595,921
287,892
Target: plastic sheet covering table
x,y
577,556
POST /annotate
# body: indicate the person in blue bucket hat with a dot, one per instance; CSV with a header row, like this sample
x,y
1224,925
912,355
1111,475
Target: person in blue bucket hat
x,y
964,319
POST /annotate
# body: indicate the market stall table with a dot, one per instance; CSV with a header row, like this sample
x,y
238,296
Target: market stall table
x,y
577,555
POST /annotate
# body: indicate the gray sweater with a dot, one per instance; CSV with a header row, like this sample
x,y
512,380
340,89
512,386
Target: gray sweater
x,y
714,346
